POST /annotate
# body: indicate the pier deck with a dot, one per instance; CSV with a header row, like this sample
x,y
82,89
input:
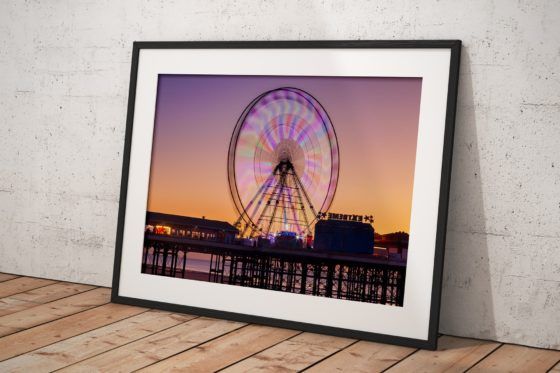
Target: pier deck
x,y
354,277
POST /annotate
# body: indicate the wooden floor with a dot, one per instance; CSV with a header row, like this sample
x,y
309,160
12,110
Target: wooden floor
x,y
48,325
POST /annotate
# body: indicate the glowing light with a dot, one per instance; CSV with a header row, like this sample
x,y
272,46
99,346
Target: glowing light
x,y
162,229
285,122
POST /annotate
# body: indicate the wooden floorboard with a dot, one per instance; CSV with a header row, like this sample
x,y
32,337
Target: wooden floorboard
x,y
21,284
453,355
43,313
50,325
6,277
58,330
512,358
294,354
70,351
363,356
224,351
21,301
156,347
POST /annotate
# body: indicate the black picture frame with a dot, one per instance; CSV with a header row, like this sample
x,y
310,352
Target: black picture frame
x,y
431,343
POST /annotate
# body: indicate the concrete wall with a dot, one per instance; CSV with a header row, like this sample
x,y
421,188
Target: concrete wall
x,y
64,68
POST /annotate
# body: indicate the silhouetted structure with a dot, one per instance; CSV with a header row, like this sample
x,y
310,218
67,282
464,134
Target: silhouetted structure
x,y
285,203
343,237
288,240
395,240
190,227
303,272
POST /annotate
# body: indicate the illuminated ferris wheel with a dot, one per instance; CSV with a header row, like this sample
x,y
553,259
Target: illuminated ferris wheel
x,y
283,163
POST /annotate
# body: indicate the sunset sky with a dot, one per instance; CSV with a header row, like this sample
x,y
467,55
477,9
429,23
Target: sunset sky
x,y
375,119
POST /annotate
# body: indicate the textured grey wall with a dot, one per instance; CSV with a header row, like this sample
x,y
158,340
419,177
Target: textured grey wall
x,y
64,68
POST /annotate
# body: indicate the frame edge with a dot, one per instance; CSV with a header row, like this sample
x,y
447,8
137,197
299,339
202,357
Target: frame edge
x,y
125,170
445,184
431,342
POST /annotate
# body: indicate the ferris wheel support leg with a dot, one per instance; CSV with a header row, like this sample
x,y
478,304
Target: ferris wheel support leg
x,y
261,199
294,214
268,202
252,201
275,208
300,186
305,194
245,212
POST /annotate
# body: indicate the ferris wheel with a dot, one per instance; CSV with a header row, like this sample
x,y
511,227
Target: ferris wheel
x,y
283,163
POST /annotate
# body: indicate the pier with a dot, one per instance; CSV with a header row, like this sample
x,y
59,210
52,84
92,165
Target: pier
x,y
351,277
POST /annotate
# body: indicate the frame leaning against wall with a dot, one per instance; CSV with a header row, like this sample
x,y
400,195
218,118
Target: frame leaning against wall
x,y
454,46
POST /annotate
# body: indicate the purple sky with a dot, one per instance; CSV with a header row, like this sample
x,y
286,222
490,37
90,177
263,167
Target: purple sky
x,y
376,121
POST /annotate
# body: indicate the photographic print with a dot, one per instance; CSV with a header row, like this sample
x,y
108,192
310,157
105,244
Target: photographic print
x,y
294,184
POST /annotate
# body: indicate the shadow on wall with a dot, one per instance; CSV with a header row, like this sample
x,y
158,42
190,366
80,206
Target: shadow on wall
x,y
467,306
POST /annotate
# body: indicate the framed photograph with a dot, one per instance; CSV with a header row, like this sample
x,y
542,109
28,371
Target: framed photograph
x,y
296,184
